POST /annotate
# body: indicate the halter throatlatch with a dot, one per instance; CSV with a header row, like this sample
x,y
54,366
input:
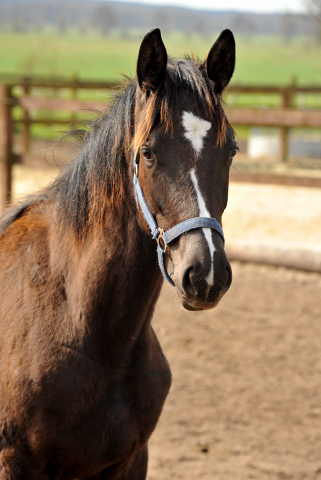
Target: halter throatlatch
x,y
164,238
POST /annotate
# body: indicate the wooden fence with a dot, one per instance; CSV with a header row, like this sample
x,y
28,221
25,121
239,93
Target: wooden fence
x,y
285,116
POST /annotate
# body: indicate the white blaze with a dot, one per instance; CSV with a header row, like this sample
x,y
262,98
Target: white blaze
x,y
195,130
203,212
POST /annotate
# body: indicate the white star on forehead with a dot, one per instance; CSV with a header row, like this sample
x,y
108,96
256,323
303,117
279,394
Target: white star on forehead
x,y
195,130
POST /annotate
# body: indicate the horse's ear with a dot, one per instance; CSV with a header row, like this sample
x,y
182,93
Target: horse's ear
x,y
152,61
220,62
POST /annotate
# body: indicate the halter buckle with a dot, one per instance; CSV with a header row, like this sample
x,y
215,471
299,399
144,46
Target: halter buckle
x,y
160,237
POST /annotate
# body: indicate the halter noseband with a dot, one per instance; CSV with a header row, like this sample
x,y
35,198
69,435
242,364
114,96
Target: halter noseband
x,y
164,238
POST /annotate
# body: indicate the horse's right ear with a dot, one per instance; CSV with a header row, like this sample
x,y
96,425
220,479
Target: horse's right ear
x,y
152,61
220,62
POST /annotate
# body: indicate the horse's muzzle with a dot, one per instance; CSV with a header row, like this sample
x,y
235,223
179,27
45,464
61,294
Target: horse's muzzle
x,y
200,285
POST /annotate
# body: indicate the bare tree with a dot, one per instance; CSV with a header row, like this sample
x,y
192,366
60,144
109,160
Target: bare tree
x,y
313,13
163,21
62,23
244,26
82,26
187,23
18,23
288,27
104,18
38,22
203,27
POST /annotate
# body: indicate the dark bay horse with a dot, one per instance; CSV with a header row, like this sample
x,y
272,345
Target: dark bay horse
x,y
82,376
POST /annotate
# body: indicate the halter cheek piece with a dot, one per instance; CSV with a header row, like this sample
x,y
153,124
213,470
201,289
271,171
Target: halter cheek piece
x,y
164,238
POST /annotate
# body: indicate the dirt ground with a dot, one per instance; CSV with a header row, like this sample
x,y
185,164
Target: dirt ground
x,y
245,402
246,396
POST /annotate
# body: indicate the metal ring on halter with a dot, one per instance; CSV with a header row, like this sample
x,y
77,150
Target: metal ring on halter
x,y
161,237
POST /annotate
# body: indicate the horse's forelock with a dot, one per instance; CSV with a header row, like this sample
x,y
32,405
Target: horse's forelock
x,y
182,74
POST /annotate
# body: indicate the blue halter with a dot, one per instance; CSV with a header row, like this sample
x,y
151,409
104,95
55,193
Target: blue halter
x,y
167,237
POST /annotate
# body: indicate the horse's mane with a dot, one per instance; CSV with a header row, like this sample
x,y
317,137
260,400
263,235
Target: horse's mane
x,y
93,183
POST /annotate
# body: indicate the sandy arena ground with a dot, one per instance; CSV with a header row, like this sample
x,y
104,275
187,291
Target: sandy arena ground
x,y
245,402
246,396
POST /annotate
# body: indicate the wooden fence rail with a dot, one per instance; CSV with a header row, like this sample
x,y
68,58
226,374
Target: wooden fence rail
x,y
274,117
283,117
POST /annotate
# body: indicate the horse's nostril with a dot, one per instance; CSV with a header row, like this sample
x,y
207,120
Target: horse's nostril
x,y
192,280
229,277
187,282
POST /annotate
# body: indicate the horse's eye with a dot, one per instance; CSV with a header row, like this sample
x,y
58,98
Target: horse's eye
x,y
233,153
147,153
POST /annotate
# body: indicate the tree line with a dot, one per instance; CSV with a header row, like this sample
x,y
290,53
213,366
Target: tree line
x,y
102,16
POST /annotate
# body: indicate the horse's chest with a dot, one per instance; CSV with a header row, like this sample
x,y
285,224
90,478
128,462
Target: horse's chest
x,y
106,418
136,402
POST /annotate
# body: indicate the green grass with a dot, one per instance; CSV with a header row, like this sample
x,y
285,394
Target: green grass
x,y
263,60
275,63
66,55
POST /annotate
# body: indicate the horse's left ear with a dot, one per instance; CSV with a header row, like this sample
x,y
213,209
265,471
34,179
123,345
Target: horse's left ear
x,y
220,62
152,61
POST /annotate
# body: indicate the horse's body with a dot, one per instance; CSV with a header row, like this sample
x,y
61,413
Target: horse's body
x,y
82,376
76,390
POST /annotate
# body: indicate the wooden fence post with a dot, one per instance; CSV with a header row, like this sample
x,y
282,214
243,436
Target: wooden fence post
x,y
287,102
26,122
5,145
74,79
285,130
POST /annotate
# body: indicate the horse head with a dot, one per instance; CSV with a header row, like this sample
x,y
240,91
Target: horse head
x,y
184,147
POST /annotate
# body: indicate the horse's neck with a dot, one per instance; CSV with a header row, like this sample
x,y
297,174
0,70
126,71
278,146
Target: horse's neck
x,y
114,286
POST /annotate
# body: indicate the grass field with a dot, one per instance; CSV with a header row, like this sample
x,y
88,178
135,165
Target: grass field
x,y
263,60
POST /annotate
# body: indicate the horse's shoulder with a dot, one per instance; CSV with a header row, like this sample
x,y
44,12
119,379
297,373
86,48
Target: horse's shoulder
x,y
30,203
25,218
24,241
